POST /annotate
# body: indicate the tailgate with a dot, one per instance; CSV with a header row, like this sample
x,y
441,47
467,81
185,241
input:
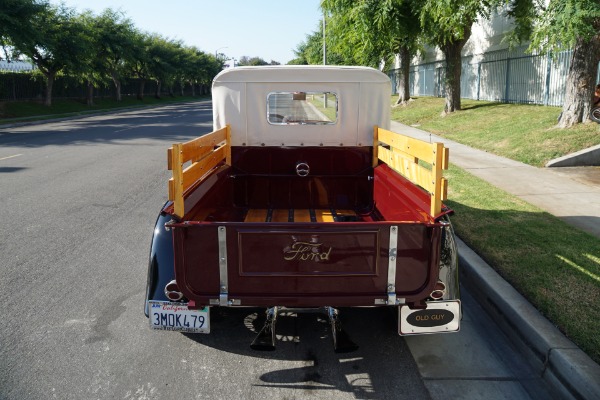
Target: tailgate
x,y
305,265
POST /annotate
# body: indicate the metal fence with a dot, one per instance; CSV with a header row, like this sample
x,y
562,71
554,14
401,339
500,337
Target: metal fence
x,y
16,66
507,76
31,86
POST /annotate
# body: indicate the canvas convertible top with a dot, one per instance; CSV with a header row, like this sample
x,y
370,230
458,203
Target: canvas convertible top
x,y
242,98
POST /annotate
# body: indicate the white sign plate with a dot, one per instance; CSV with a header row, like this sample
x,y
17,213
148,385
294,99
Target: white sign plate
x,y
438,317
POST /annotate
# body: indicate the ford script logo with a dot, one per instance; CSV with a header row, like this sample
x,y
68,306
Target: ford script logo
x,y
305,251
429,318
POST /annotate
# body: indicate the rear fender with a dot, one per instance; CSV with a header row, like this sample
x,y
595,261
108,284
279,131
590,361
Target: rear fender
x,y
161,269
449,261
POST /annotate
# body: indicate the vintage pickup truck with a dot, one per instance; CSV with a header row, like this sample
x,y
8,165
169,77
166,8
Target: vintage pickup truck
x,y
302,200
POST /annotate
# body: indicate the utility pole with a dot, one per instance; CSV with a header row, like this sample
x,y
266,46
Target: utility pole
x,y
324,57
324,47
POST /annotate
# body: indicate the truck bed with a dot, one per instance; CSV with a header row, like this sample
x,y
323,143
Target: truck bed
x,y
254,232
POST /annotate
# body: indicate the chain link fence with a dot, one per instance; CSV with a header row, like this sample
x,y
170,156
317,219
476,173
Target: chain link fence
x,y
507,76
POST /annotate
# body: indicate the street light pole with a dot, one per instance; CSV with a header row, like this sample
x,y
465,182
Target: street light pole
x,y
217,51
324,47
324,57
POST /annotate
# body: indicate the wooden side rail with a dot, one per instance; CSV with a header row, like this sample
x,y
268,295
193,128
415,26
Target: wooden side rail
x,y
205,153
403,156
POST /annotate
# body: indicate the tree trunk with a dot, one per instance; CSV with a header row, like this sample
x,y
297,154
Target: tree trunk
x,y
403,87
157,93
193,89
453,70
117,83
49,83
581,82
90,94
140,95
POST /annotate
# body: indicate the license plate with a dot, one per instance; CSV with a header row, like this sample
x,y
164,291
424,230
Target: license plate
x,y
169,316
438,317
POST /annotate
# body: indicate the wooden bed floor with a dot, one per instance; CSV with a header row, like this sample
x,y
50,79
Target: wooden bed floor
x,y
300,215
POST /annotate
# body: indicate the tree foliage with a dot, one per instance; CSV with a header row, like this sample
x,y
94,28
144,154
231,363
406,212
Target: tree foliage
x,y
254,61
114,46
447,25
560,25
97,49
14,22
57,42
310,51
369,32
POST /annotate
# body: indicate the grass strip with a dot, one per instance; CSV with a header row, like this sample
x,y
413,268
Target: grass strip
x,y
330,111
554,265
16,111
521,132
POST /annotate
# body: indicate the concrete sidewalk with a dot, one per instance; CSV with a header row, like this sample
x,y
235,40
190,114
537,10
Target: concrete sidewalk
x,y
560,193
565,367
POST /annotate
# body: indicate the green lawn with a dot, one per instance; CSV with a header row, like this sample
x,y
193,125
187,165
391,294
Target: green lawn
x,y
330,111
554,265
525,133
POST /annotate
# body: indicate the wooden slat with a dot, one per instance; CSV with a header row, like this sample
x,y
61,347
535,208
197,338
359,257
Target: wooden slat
x,y
302,215
204,155
375,146
280,215
436,177
446,158
191,149
171,189
197,170
408,157
228,142
178,188
444,189
414,172
404,155
256,215
416,148
201,153
324,216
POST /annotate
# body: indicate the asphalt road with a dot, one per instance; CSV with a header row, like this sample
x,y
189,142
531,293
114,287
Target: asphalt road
x,y
80,198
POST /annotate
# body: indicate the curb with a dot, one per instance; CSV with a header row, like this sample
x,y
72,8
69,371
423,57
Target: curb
x,y
563,365
589,157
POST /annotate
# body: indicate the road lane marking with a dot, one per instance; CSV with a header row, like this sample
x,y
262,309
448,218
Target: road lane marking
x,y
6,158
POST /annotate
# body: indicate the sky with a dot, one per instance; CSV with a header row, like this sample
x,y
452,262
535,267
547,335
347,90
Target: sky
x,y
269,29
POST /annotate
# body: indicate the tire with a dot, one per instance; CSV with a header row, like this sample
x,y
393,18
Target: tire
x,y
595,114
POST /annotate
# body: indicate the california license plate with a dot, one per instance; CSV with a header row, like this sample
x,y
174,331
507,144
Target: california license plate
x,y
169,316
438,317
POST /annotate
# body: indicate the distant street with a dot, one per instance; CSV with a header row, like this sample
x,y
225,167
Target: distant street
x,y
80,199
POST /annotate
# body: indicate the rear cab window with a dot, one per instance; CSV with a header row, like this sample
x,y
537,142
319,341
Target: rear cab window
x,y
302,108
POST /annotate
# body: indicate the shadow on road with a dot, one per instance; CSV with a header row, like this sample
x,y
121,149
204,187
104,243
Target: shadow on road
x,y
382,367
175,122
